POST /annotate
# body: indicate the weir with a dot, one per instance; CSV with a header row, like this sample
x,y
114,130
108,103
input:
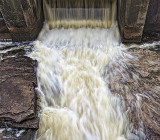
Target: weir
x,y
85,13
76,102
90,85
73,74
138,20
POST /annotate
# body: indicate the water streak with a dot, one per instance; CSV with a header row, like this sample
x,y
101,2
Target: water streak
x,y
84,13
75,99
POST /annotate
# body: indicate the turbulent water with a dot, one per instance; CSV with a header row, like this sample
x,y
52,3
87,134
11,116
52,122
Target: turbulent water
x,y
76,68
76,103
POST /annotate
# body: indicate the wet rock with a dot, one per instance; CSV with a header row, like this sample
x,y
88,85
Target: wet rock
x,y
23,19
17,134
18,104
141,96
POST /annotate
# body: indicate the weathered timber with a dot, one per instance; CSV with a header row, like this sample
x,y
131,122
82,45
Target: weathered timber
x,y
131,18
152,25
18,99
24,19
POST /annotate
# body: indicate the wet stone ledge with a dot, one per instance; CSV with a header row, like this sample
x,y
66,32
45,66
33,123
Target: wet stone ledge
x,y
18,98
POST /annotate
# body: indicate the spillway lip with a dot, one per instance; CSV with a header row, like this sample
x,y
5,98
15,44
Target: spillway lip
x,y
65,14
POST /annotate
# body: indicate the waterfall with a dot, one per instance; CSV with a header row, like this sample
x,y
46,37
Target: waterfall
x,y
76,103
75,66
82,13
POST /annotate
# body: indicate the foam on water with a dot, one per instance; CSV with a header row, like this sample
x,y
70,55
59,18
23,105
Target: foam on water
x,y
75,99
10,133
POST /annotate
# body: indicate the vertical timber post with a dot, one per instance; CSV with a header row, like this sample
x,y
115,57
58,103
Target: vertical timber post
x,y
131,18
23,18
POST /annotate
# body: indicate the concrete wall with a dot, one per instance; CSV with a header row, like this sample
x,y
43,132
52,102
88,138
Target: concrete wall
x,y
131,18
139,20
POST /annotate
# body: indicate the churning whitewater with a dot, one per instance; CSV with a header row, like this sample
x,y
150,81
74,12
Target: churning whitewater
x,y
76,103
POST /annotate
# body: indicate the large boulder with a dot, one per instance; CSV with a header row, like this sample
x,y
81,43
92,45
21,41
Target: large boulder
x,y
18,99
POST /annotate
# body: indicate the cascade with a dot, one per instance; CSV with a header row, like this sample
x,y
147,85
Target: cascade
x,y
75,53
83,13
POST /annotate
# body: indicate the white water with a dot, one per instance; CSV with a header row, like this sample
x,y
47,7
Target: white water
x,y
75,99
10,133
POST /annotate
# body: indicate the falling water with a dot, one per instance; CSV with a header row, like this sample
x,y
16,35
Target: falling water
x,y
75,99
74,73
82,13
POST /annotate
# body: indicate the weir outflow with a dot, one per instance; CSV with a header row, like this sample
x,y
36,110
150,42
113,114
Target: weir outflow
x,y
76,103
74,72
81,59
83,13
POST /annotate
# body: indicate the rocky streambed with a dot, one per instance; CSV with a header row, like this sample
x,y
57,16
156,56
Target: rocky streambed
x,y
19,102
139,87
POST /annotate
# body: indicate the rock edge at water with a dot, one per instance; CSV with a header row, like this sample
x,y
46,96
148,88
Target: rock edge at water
x,y
18,104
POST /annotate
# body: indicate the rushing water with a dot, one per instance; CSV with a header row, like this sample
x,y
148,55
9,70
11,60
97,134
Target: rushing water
x,y
75,99
81,13
75,69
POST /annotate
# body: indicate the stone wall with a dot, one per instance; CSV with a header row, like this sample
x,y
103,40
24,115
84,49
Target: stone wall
x,y
139,20
24,19
131,18
152,25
